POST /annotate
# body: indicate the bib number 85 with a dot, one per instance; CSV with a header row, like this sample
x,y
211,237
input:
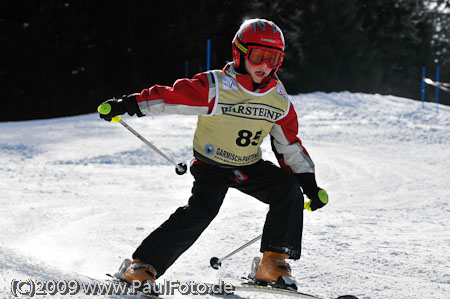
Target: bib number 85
x,y
245,138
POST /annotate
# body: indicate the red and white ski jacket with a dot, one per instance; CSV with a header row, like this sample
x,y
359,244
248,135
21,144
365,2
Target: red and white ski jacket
x,y
199,96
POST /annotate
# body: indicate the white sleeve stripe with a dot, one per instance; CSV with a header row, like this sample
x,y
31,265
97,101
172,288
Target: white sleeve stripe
x,y
146,106
184,109
294,157
156,107
293,154
278,134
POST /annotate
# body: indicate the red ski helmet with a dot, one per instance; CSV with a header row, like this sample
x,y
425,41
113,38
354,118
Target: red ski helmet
x,y
258,34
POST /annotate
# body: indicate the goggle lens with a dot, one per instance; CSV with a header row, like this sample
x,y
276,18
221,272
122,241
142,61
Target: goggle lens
x,y
258,55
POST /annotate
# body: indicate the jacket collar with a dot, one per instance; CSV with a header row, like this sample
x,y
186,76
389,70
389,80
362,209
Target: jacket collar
x,y
246,81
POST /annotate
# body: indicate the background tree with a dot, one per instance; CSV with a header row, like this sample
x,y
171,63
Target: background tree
x,y
61,58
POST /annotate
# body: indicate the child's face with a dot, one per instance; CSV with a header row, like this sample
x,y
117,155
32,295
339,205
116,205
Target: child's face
x,y
259,72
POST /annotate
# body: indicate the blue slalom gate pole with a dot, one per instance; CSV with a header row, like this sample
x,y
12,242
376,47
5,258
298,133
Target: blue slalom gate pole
x,y
208,53
423,87
437,89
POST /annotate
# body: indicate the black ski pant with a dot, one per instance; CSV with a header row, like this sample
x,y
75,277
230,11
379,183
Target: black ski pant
x,y
263,180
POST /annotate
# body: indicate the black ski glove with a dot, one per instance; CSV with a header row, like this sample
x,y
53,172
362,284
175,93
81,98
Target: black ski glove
x,y
114,107
318,196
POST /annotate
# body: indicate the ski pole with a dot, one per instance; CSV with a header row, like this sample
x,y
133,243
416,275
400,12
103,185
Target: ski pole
x,y
180,168
216,262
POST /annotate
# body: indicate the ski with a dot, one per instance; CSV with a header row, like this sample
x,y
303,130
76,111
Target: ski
x,y
236,289
249,287
282,286
252,286
167,287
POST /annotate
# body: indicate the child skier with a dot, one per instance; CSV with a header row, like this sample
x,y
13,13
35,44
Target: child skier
x,y
237,107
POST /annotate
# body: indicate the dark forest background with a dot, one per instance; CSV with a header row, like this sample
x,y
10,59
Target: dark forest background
x,y
62,58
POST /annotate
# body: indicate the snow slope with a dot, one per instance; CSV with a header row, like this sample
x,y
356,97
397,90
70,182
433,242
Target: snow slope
x,y
78,195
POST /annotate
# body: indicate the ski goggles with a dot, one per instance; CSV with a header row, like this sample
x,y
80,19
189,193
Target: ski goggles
x,y
257,55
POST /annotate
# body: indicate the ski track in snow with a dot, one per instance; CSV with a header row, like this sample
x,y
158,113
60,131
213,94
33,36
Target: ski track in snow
x,y
78,195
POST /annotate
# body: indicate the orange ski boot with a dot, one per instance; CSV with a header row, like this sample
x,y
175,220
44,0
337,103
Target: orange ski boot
x,y
131,271
275,271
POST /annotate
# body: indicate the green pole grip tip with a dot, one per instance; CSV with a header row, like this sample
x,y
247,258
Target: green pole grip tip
x,y
323,196
104,109
115,119
307,205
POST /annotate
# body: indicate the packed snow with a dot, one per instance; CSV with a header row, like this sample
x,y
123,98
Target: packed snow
x,y
79,194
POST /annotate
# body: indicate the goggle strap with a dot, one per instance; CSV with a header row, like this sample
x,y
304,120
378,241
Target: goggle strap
x,y
241,47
